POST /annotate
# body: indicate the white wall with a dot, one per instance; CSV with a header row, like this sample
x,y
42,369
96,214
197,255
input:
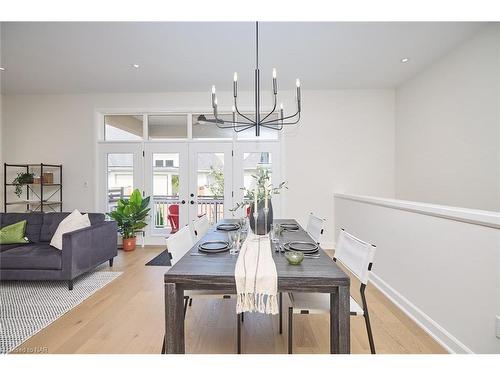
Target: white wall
x,y
344,142
448,128
441,271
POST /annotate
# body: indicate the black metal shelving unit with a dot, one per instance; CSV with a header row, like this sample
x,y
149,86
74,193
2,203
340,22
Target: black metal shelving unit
x,y
39,197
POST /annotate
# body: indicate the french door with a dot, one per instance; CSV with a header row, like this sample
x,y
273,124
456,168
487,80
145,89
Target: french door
x,y
166,166
248,157
121,165
211,182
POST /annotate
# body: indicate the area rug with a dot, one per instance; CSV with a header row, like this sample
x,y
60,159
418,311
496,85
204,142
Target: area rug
x,y
162,259
26,307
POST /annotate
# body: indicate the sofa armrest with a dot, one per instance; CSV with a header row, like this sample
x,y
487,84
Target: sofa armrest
x,y
86,248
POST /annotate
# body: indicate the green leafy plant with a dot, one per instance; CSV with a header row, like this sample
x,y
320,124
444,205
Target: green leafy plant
x,y
130,214
217,187
22,178
262,179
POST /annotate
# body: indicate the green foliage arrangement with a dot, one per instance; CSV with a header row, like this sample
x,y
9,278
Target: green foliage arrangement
x,y
263,183
130,214
22,178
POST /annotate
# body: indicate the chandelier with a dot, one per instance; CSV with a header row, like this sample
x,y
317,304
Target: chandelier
x,y
241,122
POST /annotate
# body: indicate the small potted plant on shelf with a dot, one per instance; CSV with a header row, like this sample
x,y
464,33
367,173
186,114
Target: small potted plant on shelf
x,y
130,215
23,178
259,199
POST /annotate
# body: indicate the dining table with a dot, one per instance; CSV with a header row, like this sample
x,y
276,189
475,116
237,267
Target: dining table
x,y
215,272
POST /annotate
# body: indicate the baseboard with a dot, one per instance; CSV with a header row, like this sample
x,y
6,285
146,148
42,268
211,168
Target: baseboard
x,y
438,333
328,245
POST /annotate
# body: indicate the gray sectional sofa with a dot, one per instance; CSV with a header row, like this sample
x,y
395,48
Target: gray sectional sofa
x,y
82,251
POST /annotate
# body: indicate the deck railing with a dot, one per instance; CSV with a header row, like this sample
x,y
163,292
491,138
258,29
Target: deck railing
x,y
211,206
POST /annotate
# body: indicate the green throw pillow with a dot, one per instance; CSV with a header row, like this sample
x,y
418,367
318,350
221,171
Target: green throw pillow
x,y
13,233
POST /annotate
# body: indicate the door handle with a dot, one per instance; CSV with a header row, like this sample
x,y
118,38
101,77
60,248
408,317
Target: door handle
x,y
183,201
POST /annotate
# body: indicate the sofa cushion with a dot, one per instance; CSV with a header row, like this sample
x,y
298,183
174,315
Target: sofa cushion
x,y
52,220
34,222
8,247
34,256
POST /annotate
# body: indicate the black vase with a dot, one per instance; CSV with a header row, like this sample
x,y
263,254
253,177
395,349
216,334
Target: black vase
x,y
263,223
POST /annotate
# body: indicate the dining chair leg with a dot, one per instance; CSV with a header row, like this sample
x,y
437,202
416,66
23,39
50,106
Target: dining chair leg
x,y
369,331
290,329
242,317
163,346
280,299
238,334
186,300
190,302
367,319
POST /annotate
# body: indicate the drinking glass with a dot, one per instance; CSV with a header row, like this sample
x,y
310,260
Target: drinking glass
x,y
275,232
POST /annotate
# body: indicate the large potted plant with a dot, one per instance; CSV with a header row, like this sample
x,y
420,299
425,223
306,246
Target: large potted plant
x,y
130,215
260,200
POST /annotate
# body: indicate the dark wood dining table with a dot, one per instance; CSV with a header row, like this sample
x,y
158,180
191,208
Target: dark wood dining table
x,y
196,271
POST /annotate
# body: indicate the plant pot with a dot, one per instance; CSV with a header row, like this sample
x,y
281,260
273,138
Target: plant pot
x,y
129,244
263,224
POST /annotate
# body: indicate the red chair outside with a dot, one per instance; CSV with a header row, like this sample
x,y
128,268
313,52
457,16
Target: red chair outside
x,y
173,217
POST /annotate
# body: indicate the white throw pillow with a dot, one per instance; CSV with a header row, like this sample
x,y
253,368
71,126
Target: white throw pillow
x,y
70,223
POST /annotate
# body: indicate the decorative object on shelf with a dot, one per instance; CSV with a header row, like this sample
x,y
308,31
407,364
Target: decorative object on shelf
x,y
261,208
23,178
130,215
48,177
40,196
241,122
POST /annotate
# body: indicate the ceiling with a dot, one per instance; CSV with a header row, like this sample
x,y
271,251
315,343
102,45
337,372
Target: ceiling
x,y
191,56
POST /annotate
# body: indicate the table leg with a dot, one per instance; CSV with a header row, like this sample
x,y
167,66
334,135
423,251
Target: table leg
x,y
344,316
334,322
174,319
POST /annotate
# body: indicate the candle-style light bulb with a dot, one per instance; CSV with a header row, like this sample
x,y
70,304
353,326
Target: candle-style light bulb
x,y
297,82
235,85
275,85
281,106
234,109
213,89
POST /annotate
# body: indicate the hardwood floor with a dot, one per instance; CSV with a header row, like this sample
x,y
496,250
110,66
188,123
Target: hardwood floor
x,y
127,316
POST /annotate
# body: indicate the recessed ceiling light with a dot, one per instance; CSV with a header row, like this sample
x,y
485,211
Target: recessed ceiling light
x,y
2,69
405,60
135,66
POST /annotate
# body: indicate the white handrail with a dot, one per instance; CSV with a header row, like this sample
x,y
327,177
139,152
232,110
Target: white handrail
x,y
478,217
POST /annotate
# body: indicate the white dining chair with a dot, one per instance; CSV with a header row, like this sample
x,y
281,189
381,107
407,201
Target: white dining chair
x,y
315,227
357,256
200,227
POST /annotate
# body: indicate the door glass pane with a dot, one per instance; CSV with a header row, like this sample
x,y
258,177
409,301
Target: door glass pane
x,y
210,185
167,126
166,191
120,177
252,161
123,127
209,130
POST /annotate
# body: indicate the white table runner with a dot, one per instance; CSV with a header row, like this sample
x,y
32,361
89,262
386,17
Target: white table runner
x,y
256,277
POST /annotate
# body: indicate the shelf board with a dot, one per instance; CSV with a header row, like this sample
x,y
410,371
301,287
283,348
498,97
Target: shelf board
x,y
35,165
33,202
36,184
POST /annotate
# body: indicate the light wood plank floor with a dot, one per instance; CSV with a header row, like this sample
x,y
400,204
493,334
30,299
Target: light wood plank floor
x,y
127,316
